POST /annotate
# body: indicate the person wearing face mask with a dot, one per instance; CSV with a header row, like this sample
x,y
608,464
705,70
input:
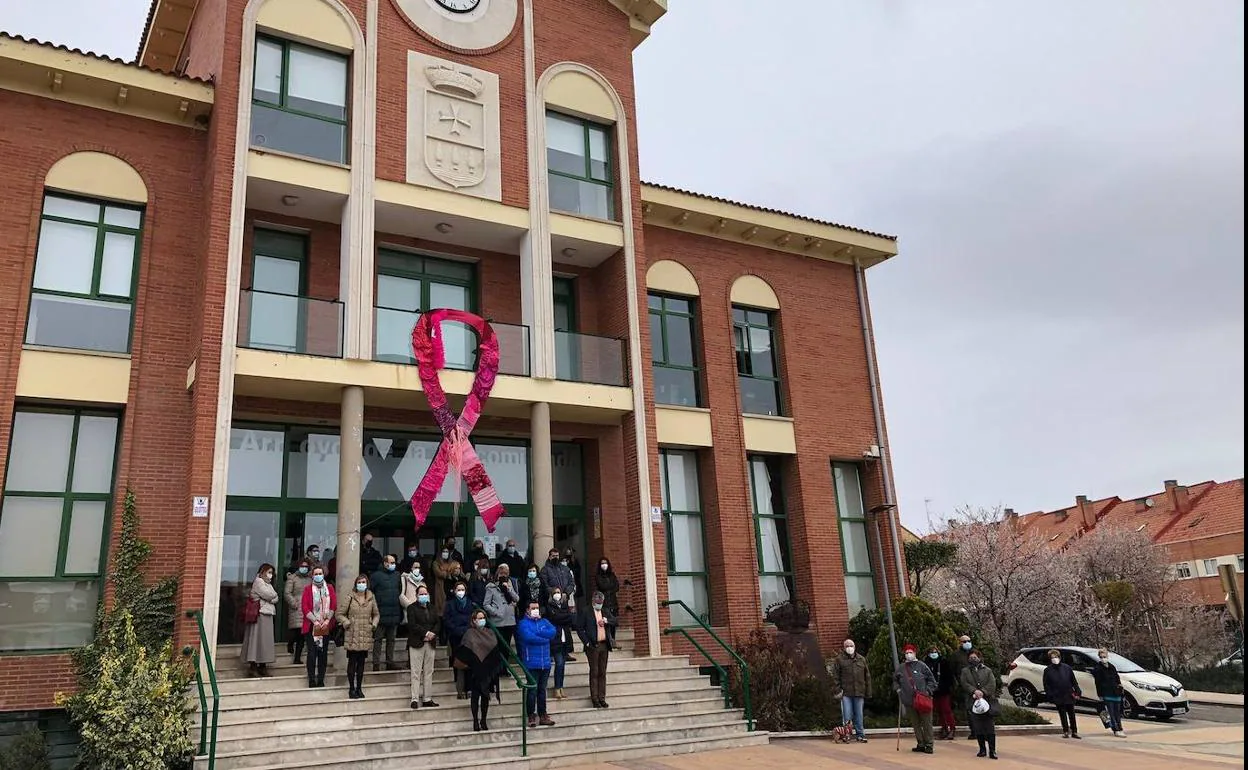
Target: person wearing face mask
x,y
258,647
455,620
423,624
412,579
534,635
531,589
1062,690
942,700
852,679
574,566
556,575
913,679
359,618
560,615
313,555
413,558
962,704
296,582
512,557
501,598
481,660
596,628
370,557
1109,690
386,585
450,546
606,581
318,604
478,582
446,571
477,553
979,683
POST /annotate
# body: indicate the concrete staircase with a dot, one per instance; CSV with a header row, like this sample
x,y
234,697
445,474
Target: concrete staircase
x,y
659,706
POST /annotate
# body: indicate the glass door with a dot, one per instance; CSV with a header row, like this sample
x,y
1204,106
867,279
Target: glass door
x,y
251,538
277,280
567,354
398,307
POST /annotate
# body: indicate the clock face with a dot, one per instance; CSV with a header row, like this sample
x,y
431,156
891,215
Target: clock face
x,y
459,6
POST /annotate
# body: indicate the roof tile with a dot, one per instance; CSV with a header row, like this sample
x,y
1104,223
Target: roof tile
x,y
92,55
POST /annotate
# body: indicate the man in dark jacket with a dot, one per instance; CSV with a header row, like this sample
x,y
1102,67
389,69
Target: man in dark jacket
x,y
961,704
556,575
423,625
1061,689
946,684
514,560
596,628
386,589
852,679
370,557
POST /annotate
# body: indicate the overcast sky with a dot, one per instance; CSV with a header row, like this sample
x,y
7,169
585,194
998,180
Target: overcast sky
x,y
1066,315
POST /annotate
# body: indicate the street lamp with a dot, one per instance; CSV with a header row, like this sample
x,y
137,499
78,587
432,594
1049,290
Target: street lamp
x,y
879,511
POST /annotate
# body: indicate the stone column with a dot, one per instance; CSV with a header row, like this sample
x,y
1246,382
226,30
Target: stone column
x,y
543,522
350,462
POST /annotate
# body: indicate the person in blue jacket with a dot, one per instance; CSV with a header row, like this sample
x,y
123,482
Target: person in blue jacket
x,y
455,620
533,636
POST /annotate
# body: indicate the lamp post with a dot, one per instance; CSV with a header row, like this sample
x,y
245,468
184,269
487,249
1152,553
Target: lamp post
x,y
879,511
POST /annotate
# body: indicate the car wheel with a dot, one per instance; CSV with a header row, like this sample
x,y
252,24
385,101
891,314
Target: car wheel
x,y
1131,709
1024,695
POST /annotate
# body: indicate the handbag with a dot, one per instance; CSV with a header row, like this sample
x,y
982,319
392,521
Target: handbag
x,y
251,612
922,701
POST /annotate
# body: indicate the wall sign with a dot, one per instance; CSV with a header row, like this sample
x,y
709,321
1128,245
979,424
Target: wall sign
x,y
597,523
656,514
199,507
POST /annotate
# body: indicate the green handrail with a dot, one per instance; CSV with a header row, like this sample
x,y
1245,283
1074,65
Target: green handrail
x,y
529,682
204,736
742,667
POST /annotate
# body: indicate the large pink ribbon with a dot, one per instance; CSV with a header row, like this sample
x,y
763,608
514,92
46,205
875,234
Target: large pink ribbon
x,y
455,453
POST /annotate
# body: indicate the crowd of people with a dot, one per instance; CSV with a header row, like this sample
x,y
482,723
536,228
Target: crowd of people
x,y
930,690
494,611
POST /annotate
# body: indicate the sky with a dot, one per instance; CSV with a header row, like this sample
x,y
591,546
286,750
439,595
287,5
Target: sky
x,y
1066,314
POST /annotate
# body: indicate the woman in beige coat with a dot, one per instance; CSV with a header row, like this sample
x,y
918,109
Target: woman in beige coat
x,y
358,616
296,581
258,649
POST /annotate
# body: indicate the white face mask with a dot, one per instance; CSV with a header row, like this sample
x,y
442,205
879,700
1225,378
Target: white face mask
x,y
966,646
459,594
361,586
850,650
604,567
910,657
535,614
556,597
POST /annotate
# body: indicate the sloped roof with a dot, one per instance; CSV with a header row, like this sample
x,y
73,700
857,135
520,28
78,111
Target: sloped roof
x,y
1217,509
1063,525
92,55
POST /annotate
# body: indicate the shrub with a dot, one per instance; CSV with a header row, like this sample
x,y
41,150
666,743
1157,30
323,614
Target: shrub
x,y
772,679
134,716
1228,679
865,627
915,622
813,707
28,751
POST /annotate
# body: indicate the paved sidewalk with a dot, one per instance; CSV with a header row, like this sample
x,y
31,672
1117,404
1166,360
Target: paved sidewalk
x,y
1140,752
1216,698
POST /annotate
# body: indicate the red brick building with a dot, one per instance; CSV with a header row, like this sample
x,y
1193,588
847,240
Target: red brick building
x,y
1201,527
214,256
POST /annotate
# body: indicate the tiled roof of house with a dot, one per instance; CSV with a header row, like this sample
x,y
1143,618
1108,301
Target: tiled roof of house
x,y
92,55
1064,525
1217,509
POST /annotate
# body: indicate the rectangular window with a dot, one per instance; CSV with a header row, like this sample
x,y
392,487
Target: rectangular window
x,y
82,296
578,158
674,350
409,284
855,539
771,530
567,343
53,525
758,372
1239,562
278,281
299,100
1211,567
1183,570
686,544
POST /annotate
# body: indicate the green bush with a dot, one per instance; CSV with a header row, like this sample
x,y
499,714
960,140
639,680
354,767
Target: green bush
x,y
1227,679
134,716
915,622
772,679
813,707
28,751
866,626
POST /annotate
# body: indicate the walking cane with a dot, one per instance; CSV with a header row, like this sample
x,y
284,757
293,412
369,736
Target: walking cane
x,y
899,724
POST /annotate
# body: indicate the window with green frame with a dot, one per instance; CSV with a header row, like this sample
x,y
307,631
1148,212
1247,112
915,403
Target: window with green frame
x,y
409,284
758,370
299,100
771,529
567,349
674,350
686,542
855,541
275,301
86,274
578,160
54,521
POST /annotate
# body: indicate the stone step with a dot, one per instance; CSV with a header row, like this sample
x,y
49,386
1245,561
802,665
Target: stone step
x,y
452,715
403,737
472,749
291,677
236,711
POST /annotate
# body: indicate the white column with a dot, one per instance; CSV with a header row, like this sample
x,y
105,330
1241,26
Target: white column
x,y
543,521
350,463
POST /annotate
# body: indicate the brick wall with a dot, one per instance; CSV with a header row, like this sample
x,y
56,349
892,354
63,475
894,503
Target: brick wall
x,y
1208,589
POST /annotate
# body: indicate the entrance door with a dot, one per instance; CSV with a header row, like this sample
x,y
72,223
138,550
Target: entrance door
x,y
251,538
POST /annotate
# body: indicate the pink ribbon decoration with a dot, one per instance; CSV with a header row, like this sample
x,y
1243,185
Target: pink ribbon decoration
x,y
455,453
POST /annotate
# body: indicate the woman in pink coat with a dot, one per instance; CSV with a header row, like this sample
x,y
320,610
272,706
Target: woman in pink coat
x,y
319,605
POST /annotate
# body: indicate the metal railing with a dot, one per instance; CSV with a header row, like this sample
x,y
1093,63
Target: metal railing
x,y
392,342
528,682
742,667
288,323
590,358
207,733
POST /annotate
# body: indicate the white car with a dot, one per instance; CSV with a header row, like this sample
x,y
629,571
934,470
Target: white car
x,y
1146,693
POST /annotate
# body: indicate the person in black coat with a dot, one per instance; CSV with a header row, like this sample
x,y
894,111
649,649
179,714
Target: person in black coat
x,y
606,581
942,699
595,625
1109,690
480,658
478,580
514,560
1062,690
455,622
387,585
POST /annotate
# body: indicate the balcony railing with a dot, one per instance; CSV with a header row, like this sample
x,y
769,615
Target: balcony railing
x,y
590,358
392,342
290,324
